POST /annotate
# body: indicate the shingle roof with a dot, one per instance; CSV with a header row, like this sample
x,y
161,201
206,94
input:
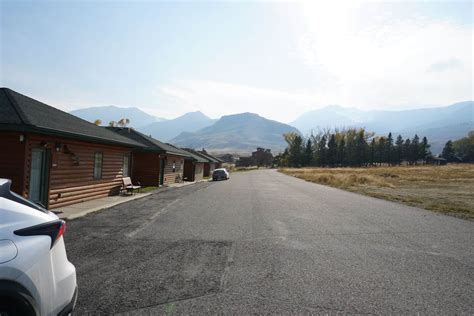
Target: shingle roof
x,y
200,154
21,113
211,158
195,156
149,143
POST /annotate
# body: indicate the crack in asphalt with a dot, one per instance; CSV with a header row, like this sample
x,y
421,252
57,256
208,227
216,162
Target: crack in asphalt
x,y
229,262
133,311
311,308
151,219
308,307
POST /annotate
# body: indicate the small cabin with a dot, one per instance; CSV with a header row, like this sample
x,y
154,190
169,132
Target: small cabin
x,y
194,166
436,161
54,158
155,163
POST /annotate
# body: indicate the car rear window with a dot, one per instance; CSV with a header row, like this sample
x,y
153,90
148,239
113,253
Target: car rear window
x,y
219,173
18,198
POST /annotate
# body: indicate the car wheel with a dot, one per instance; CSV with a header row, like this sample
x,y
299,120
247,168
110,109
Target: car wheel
x,y
15,307
16,300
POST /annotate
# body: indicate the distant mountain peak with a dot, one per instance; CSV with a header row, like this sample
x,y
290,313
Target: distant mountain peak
x,y
242,132
188,122
109,113
241,115
194,114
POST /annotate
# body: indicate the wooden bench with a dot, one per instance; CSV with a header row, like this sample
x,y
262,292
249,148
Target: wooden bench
x,y
128,185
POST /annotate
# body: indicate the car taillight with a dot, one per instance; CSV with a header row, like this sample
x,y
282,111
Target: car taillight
x,y
54,229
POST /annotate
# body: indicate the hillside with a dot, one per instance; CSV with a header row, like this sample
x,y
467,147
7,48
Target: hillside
x,y
166,130
238,133
106,114
438,124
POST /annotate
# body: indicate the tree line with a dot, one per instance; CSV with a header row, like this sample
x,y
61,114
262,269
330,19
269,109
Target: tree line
x,y
120,123
461,150
262,157
353,147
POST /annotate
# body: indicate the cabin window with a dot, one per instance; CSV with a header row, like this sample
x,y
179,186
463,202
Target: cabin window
x,y
174,166
98,165
126,166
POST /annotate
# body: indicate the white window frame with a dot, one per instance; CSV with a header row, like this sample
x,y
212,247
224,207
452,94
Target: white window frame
x,y
98,165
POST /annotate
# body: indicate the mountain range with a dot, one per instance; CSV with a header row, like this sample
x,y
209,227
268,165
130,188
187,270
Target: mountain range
x,y
237,133
438,124
114,113
242,133
166,130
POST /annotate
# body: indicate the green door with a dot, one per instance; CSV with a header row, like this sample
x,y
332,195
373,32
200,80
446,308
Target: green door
x,y
162,171
38,188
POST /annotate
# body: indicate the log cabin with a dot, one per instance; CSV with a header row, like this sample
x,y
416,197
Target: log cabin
x,y
194,166
218,162
56,159
211,163
156,163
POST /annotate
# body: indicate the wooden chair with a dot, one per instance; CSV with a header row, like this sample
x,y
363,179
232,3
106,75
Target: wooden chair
x,y
127,185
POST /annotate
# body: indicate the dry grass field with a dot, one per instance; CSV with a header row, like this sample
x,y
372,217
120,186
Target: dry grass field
x,y
447,189
232,168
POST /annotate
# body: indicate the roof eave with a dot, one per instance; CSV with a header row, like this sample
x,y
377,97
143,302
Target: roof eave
x,y
176,154
47,131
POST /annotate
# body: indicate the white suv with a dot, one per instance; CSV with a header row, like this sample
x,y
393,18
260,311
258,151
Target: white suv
x,y
35,276
219,174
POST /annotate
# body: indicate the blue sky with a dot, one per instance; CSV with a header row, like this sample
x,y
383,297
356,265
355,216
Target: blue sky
x,y
276,59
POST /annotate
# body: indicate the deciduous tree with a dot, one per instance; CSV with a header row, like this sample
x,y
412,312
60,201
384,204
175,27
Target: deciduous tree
x,y
448,151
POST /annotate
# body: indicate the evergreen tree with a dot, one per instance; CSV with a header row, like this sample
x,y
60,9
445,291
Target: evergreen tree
x,y
415,149
332,151
308,153
350,153
399,150
341,152
407,151
295,149
283,159
361,148
380,153
389,152
448,152
321,152
464,148
350,147
372,151
424,152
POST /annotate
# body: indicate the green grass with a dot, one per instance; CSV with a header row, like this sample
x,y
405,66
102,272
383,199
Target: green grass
x,y
148,189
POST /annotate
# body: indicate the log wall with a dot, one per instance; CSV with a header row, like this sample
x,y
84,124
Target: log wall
x,y
71,177
146,168
199,171
12,160
170,176
188,171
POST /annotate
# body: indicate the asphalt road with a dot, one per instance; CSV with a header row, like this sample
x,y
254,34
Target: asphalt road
x,y
264,242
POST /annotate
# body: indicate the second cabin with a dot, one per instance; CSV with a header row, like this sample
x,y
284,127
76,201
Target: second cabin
x,y
156,163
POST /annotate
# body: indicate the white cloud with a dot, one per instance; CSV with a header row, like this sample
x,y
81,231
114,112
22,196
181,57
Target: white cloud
x,y
378,58
367,55
446,65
